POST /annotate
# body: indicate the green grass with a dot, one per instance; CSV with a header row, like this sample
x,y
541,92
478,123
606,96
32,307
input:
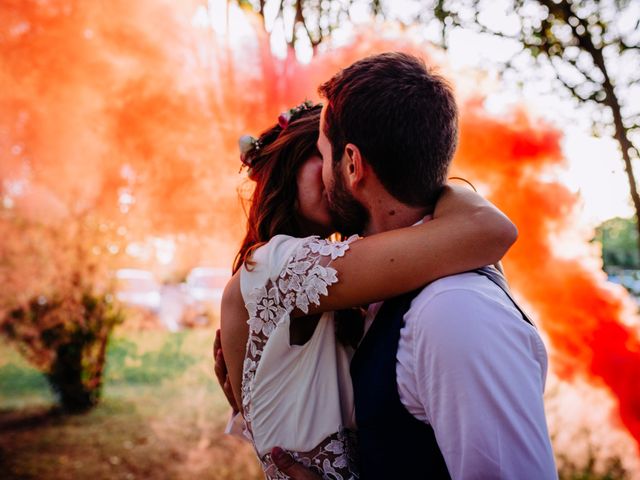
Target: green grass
x,y
161,417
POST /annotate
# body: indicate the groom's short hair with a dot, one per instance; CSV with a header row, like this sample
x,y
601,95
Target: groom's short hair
x,y
401,116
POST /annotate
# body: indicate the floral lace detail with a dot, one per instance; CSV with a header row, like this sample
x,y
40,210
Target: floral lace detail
x,y
306,276
333,459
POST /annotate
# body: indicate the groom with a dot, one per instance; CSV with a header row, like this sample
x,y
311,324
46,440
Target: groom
x,y
448,381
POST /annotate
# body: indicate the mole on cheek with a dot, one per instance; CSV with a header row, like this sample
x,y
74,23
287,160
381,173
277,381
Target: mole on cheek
x,y
392,212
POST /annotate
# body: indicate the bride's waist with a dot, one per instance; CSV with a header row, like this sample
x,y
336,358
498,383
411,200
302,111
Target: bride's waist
x,y
336,453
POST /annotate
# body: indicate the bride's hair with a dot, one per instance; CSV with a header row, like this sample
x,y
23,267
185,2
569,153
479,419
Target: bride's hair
x,y
274,166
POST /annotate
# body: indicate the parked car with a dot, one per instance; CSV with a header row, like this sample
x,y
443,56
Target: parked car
x,y
630,279
204,287
138,288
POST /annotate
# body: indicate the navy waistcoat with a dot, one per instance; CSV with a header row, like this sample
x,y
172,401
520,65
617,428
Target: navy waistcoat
x,y
392,443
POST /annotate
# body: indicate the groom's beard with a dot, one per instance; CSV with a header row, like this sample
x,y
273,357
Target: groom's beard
x,y
348,215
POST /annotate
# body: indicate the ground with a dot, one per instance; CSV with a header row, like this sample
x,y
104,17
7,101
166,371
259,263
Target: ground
x,y
161,417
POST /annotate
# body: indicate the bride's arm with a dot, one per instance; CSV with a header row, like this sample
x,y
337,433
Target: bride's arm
x,y
466,232
234,334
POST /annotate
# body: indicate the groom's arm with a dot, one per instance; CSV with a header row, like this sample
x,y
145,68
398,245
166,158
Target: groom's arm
x,y
286,464
480,377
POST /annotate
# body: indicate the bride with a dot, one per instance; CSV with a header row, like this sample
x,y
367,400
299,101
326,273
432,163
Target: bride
x,y
287,345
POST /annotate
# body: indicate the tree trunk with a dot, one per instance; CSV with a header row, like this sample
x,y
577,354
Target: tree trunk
x,y
66,379
621,133
95,382
625,146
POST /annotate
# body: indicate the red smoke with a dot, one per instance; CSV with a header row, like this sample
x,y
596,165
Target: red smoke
x,y
97,97
583,316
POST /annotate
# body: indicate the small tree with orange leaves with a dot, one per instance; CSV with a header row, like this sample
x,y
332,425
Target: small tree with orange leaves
x,y
56,307
66,337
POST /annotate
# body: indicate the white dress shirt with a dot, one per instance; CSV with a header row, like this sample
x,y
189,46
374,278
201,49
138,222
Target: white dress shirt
x,y
473,369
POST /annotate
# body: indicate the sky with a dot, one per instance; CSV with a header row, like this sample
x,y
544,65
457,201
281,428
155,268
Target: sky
x,y
594,168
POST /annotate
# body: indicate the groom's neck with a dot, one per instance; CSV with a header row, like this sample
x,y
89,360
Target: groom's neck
x,y
390,214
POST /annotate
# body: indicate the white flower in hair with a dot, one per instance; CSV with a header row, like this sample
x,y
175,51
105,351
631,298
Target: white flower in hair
x,y
246,143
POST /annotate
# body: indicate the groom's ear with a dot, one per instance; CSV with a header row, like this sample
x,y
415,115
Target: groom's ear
x,y
354,165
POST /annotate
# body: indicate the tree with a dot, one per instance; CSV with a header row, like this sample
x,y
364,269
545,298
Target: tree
x,y
587,45
57,305
313,20
618,238
66,337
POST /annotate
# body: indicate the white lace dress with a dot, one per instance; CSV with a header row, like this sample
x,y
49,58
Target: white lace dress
x,y
298,397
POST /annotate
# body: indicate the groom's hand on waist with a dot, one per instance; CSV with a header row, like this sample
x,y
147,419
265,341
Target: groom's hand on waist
x,y
286,464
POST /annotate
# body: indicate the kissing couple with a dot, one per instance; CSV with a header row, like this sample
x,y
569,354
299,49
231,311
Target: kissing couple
x,y
393,348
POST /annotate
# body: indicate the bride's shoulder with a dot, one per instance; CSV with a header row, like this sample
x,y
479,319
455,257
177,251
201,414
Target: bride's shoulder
x,y
268,260
287,241
280,248
232,287
284,249
232,296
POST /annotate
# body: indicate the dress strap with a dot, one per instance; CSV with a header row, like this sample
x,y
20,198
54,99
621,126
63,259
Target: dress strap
x,y
498,278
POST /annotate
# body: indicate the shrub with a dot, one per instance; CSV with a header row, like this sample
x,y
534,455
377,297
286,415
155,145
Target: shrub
x,y
66,336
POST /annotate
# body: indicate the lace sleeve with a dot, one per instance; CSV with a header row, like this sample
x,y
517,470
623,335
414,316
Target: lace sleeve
x,y
304,278
308,274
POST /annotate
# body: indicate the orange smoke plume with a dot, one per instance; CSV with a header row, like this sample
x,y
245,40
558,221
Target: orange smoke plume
x,y
584,316
133,109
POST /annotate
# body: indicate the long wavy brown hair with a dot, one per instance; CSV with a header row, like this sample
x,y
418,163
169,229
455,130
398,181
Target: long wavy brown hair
x,y
274,169
273,205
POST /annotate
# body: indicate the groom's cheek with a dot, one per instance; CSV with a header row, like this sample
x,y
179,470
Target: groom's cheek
x,y
327,176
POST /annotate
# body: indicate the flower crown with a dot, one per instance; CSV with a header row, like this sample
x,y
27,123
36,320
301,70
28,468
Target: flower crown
x,y
248,143
285,117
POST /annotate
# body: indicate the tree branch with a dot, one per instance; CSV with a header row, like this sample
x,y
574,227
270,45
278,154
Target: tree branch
x,y
484,29
623,46
573,88
586,75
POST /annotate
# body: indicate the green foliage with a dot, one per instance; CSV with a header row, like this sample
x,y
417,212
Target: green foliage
x,y
21,381
126,365
619,240
153,412
610,469
172,429
65,336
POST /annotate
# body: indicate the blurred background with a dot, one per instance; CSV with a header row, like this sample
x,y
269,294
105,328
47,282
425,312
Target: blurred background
x,y
120,207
